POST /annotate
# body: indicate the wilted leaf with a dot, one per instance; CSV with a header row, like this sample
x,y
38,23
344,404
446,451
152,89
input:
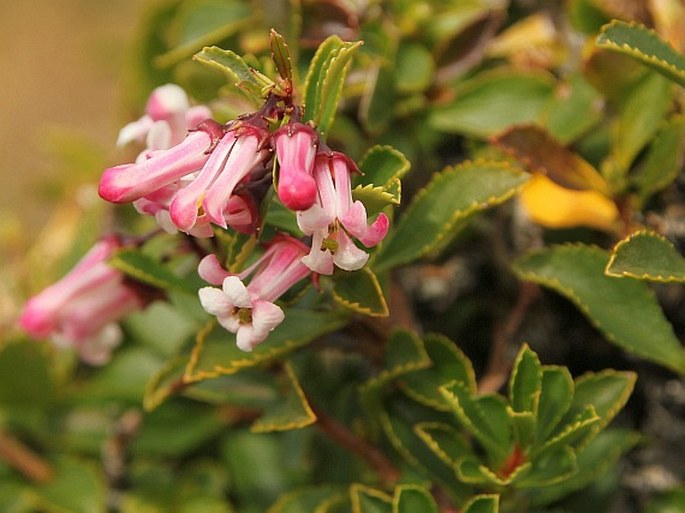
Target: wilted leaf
x,y
626,311
647,255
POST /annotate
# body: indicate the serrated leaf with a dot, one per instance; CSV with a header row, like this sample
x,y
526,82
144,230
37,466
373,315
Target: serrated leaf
x,y
449,364
448,444
254,83
146,269
523,424
369,500
167,381
553,467
483,504
281,55
493,101
413,499
636,126
485,417
663,161
646,255
573,433
626,311
306,499
382,165
606,392
471,470
215,352
541,153
360,292
525,382
556,395
291,412
376,198
325,80
646,46
451,196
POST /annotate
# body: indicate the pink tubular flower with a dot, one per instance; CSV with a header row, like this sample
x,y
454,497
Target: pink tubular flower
x,y
236,154
334,217
82,308
168,116
249,311
296,146
129,182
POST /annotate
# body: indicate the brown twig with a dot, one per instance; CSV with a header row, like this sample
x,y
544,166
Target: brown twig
x,y
24,459
499,361
370,454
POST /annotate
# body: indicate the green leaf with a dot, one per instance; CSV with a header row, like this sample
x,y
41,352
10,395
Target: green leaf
x,y
671,501
243,76
360,292
553,467
556,395
448,443
449,364
77,487
167,381
325,80
525,382
291,412
646,255
414,68
573,433
376,198
576,108
646,46
125,377
663,161
606,392
215,352
146,269
485,417
203,22
449,198
369,500
413,499
382,165
636,126
471,470
483,504
306,499
494,101
281,55
25,377
626,311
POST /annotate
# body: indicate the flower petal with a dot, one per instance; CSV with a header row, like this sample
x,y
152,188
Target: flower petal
x,y
348,256
215,302
236,292
211,270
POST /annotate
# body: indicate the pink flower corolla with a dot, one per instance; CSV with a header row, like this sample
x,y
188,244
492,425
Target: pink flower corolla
x,y
334,217
296,146
249,311
208,197
168,117
81,309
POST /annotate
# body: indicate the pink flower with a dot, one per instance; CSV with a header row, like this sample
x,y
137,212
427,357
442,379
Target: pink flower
x,y
334,217
82,308
296,146
249,311
207,197
129,182
168,116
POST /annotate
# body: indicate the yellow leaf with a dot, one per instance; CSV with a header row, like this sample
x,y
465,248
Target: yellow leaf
x,y
554,206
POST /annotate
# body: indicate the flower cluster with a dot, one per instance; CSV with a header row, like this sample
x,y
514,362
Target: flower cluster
x,y
196,175
82,308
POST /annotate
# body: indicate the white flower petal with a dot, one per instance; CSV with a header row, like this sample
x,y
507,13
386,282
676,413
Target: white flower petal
x,y
215,302
236,292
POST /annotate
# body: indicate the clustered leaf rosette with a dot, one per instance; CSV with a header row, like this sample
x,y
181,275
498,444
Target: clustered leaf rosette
x,y
81,309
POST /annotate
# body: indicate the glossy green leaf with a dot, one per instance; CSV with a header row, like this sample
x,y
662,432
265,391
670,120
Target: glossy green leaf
x,y
626,311
636,125
663,161
360,292
412,499
553,467
306,499
471,470
575,109
281,55
215,352
449,364
325,80
485,417
449,198
369,500
598,457
556,395
579,429
201,23
525,382
494,101
376,198
381,165
254,388
646,255
291,412
482,504
448,443
144,268
646,46
254,83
